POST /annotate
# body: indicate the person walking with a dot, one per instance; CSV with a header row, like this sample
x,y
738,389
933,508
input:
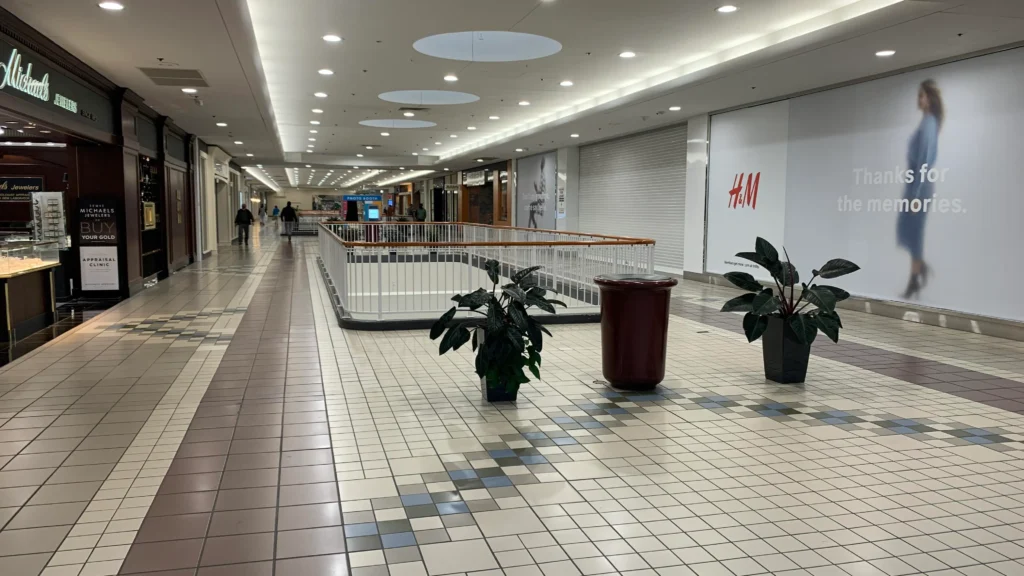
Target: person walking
x,y
263,215
243,219
290,218
421,213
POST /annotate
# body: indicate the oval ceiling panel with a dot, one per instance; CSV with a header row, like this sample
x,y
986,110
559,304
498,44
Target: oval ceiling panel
x,y
428,97
487,46
398,123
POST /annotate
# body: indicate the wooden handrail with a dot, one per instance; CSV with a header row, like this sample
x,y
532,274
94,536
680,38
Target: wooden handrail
x,y
358,244
623,238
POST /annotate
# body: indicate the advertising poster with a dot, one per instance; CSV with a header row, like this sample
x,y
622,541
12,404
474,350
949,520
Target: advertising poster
x,y
913,177
97,238
536,183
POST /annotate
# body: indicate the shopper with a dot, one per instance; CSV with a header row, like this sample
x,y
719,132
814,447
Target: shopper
x,y
263,215
243,219
290,218
274,215
421,213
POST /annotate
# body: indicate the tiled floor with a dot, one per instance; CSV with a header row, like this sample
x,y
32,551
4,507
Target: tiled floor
x,y
222,424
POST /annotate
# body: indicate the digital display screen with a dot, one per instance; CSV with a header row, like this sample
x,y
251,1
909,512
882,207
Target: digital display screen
x,y
373,213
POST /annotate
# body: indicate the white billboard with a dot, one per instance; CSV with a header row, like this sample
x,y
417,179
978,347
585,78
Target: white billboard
x,y
913,177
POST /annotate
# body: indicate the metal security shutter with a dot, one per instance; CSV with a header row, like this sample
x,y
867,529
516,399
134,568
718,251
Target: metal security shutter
x,y
636,186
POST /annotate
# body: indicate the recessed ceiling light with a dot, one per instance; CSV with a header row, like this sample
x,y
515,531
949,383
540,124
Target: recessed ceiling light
x,y
314,122
627,54
320,94
480,160
238,142
356,167
565,83
222,124
325,71
385,133
332,38
470,127
112,6
727,9
438,144
359,155
189,90
400,168
409,114
312,139
674,108
524,103
519,149
495,118
426,149
309,165
415,153
451,78
574,135
455,135
317,111
369,147
314,131
445,169
249,155
885,53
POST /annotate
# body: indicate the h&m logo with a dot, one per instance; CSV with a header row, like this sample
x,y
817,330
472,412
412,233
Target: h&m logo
x,y
740,196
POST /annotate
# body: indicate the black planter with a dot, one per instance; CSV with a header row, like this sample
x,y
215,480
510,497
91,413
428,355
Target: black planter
x,y
785,358
497,393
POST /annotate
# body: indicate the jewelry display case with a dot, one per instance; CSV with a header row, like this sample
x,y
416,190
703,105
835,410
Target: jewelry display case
x,y
27,286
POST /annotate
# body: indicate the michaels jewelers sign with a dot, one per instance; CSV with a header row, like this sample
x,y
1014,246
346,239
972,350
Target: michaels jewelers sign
x,y
23,74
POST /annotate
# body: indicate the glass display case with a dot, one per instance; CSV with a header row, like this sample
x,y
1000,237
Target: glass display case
x,y
19,257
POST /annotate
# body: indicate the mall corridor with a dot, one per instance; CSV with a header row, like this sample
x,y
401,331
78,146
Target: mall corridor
x,y
222,423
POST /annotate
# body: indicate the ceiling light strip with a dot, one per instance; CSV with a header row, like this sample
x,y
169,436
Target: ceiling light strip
x,y
258,174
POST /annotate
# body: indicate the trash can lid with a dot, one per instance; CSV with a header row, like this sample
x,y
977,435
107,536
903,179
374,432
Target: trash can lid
x,y
636,280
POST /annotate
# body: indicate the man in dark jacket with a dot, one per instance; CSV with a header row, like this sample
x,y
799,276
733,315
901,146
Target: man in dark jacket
x,y
290,218
243,219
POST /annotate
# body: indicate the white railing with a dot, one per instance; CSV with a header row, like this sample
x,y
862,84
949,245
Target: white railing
x,y
392,271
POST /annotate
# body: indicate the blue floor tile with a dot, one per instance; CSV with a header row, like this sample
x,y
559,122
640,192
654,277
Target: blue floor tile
x,y
616,410
905,422
462,474
904,430
592,425
416,499
501,453
564,441
445,508
535,436
398,540
833,421
495,482
562,420
364,529
979,432
769,413
978,440
533,459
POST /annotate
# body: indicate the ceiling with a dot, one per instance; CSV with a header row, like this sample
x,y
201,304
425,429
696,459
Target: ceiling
x,y
261,59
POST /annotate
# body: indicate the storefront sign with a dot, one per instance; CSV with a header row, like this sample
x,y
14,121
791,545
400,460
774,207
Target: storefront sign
x,y
560,202
363,198
19,188
478,178
14,76
26,75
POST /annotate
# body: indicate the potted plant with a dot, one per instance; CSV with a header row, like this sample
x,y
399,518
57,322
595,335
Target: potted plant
x,y
787,323
507,340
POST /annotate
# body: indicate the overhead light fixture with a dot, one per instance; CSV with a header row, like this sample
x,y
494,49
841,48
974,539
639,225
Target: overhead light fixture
x,y
627,54
674,108
426,149
480,160
415,153
451,78
885,53
565,83
519,149
312,139
112,6
238,142
438,144
409,114
454,135
369,147
470,127
359,155
317,111
727,9
189,90
222,124
314,122
445,169
495,118
309,165
332,38
524,103
385,134
249,155
325,72
574,135
314,131
320,94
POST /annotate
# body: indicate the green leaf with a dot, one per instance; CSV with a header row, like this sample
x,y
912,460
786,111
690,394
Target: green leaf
x,y
833,315
540,303
803,328
519,275
543,329
828,325
449,340
475,342
786,274
493,267
537,292
534,354
535,371
518,315
744,281
536,336
837,267
438,328
741,303
461,337
764,303
476,299
557,303
754,326
839,293
765,249
821,297
515,292
755,258
495,319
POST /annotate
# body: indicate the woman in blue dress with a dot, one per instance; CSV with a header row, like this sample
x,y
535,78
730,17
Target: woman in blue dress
x,y
922,152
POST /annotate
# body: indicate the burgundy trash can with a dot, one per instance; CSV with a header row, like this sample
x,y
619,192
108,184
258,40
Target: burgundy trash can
x,y
634,328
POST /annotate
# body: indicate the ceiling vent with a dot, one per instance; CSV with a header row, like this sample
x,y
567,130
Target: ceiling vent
x,y
175,77
413,109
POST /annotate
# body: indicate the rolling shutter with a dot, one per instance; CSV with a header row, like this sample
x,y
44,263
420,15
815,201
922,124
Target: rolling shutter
x,y
636,186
